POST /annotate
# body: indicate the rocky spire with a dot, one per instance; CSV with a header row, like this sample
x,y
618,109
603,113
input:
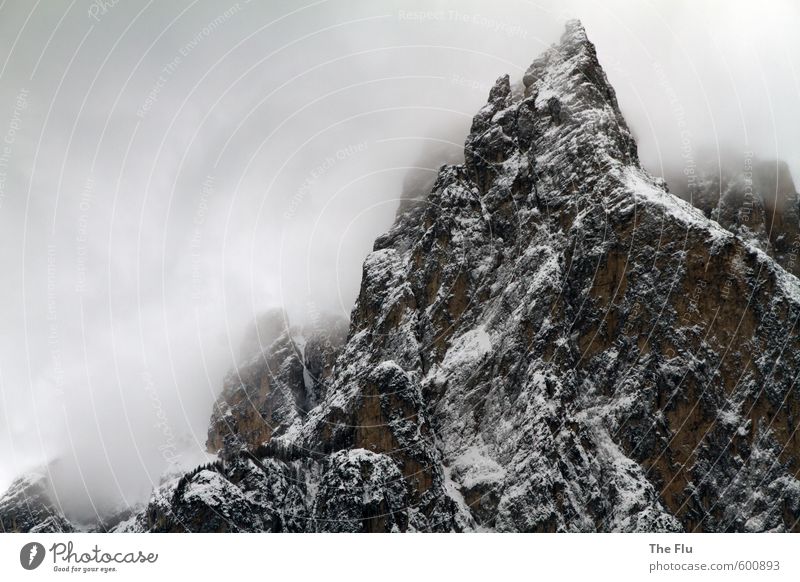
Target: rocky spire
x,y
569,83
552,343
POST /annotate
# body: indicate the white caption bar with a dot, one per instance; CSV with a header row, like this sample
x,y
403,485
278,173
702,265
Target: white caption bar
x,y
400,557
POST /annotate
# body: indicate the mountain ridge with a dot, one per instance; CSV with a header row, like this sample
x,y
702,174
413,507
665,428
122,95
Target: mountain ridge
x,y
550,341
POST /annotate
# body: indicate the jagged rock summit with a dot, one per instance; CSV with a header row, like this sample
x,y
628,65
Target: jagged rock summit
x,y
550,341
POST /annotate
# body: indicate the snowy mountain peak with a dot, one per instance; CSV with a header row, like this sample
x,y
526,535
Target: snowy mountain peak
x,y
550,342
574,32
569,83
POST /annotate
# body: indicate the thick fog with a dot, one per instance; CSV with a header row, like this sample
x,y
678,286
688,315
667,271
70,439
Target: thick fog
x,y
172,169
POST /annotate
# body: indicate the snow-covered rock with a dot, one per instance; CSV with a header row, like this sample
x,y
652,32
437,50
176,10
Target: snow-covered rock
x,y
549,341
28,505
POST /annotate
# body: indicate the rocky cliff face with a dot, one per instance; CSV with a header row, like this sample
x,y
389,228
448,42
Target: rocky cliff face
x,y
550,341
285,372
751,197
28,506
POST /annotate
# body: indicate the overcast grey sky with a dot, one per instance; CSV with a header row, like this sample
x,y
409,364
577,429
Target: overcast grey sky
x,y
171,169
